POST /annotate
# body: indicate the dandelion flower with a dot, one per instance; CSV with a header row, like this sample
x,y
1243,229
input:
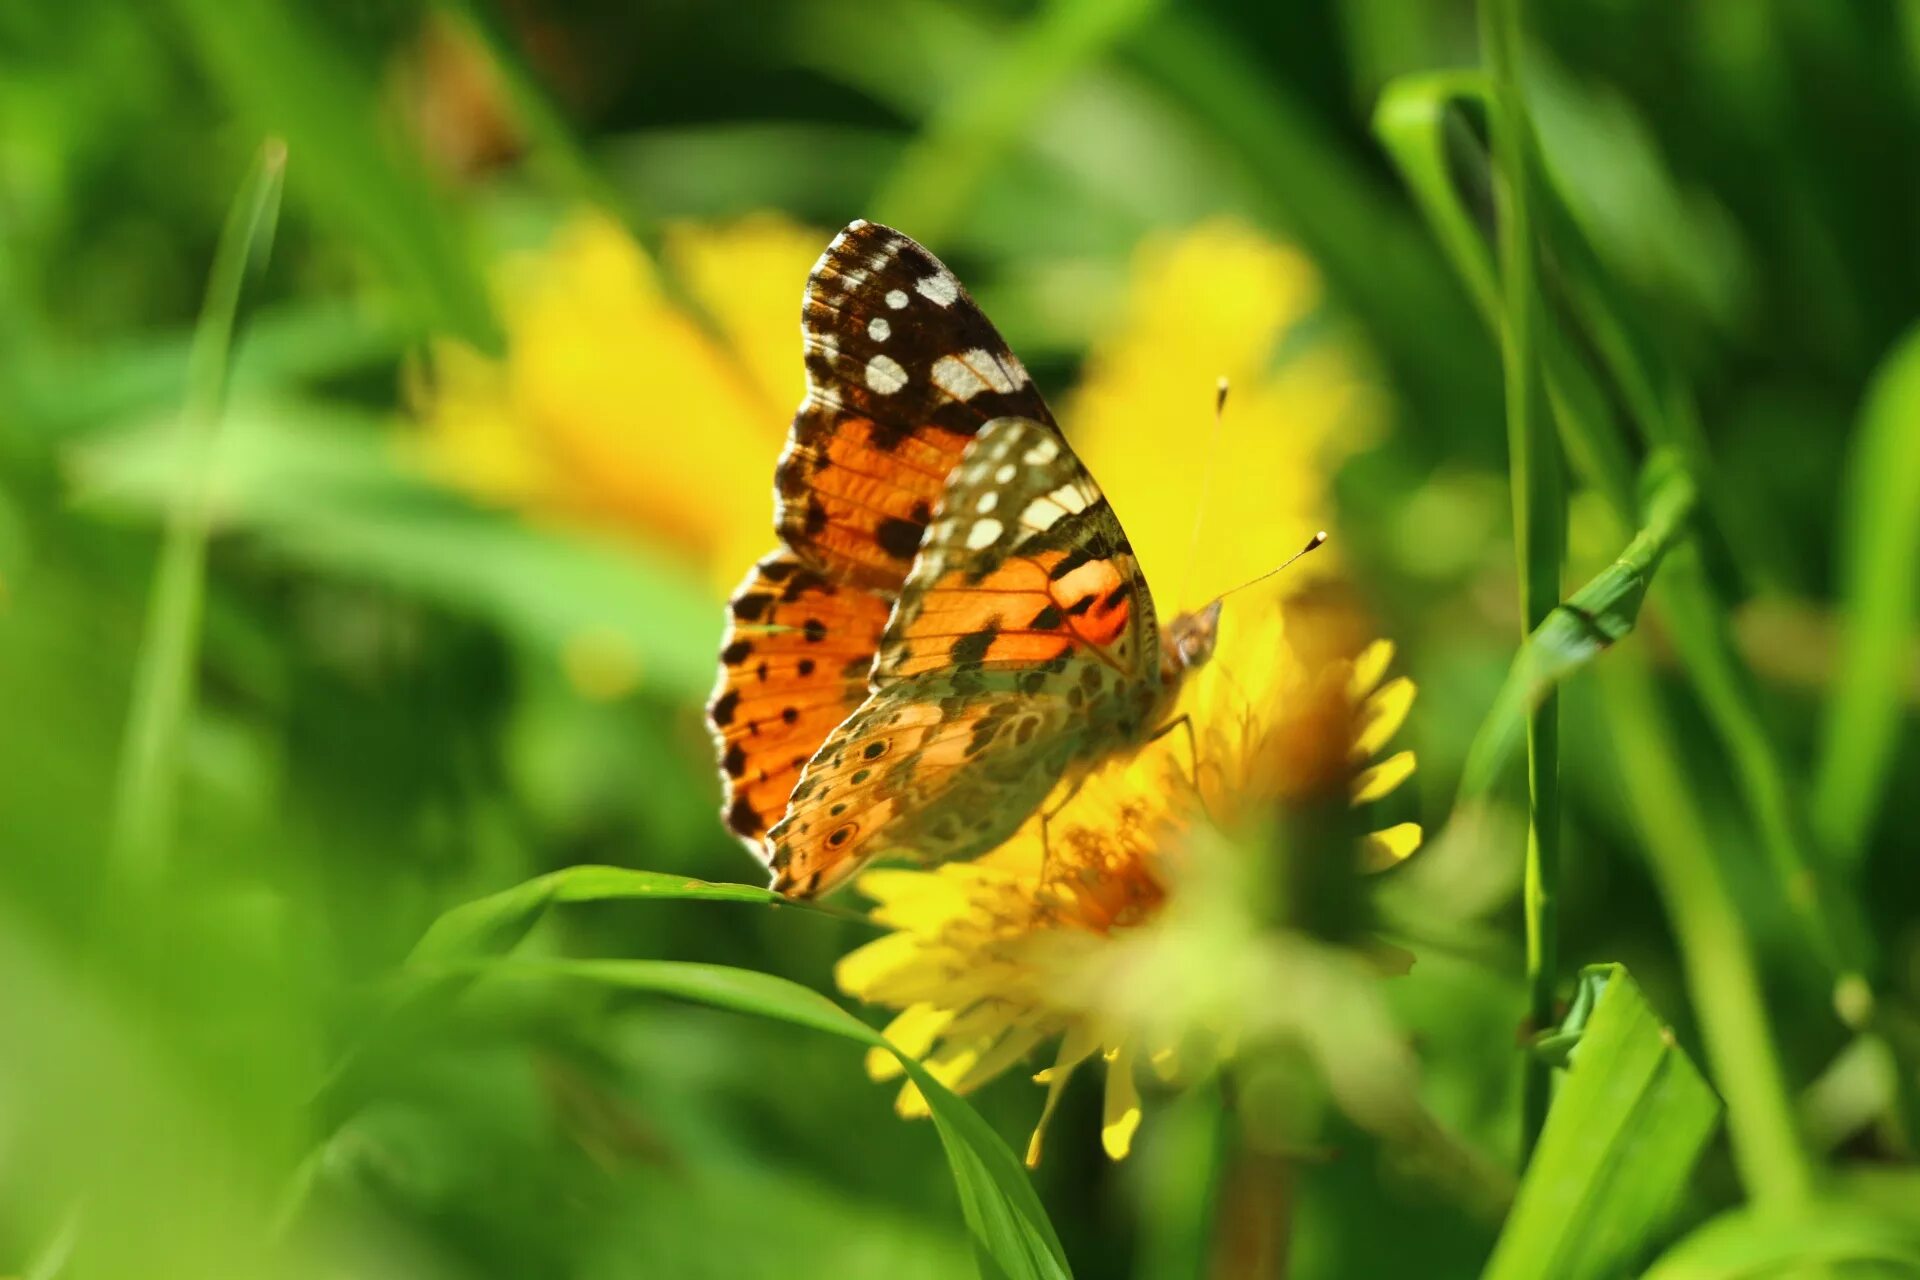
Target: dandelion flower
x,y
1034,944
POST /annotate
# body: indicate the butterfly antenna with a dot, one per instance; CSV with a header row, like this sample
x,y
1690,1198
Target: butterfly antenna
x,y
1206,486
1312,542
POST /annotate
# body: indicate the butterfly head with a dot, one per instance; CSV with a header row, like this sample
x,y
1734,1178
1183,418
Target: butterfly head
x,y
1188,642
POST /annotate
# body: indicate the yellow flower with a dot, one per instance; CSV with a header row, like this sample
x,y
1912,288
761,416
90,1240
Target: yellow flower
x,y
1040,940
623,404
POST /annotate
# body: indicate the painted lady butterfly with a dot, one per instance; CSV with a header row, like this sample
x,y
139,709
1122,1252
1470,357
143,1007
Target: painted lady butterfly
x,y
955,623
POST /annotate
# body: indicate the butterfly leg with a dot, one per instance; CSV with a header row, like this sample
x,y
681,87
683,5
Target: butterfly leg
x,y
1184,722
1046,821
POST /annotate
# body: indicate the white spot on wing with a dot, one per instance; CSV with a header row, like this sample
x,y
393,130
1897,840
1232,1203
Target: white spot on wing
x,y
987,503
957,379
879,330
885,376
1043,452
896,299
1006,474
983,535
940,289
1070,497
1041,514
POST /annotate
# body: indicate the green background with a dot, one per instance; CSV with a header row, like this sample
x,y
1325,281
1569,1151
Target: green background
x,y
203,1068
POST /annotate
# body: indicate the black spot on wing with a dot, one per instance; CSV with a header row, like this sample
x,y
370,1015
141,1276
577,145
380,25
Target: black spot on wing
x,y
971,648
899,538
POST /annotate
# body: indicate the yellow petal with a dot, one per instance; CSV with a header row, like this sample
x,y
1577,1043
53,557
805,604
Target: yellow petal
x,y
860,972
1012,1047
1382,778
1389,848
1382,717
910,1103
1057,1077
913,1033
1368,668
1121,1115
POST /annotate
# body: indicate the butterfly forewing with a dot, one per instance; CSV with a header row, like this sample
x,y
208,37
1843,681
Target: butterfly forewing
x,y
902,371
793,665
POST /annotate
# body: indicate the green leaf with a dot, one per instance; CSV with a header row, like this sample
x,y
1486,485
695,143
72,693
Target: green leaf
x,y
332,490
1583,626
1630,1119
1750,1244
1009,1226
1880,588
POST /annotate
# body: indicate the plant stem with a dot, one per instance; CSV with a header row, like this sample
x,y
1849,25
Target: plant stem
x,y
1722,979
164,677
1539,523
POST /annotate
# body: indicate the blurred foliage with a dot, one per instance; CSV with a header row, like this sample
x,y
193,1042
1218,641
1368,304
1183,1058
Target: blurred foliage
x,y
411,599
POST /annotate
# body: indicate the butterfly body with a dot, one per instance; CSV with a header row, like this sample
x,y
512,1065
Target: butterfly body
x,y
925,482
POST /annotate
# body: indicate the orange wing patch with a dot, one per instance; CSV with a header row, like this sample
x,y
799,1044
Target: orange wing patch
x,y
859,499
793,666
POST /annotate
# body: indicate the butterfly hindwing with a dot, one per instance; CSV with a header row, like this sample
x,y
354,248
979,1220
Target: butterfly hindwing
x,y
793,665
902,371
935,776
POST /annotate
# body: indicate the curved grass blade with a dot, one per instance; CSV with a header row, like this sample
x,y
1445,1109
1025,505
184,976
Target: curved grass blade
x,y
1631,1118
1835,1237
493,924
1411,122
1009,1226
1583,626
1880,596
163,679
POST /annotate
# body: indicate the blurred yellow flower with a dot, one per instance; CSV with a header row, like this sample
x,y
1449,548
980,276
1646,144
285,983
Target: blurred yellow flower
x,y
1038,941
1221,300
618,403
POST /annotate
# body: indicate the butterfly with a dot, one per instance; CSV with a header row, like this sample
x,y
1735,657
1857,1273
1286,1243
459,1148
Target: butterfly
x,y
954,624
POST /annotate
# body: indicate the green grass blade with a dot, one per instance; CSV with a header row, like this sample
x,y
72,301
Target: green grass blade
x,y
1008,1224
1539,518
1581,628
1880,591
1410,123
1630,1120
1716,955
163,680
287,73
1837,1236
